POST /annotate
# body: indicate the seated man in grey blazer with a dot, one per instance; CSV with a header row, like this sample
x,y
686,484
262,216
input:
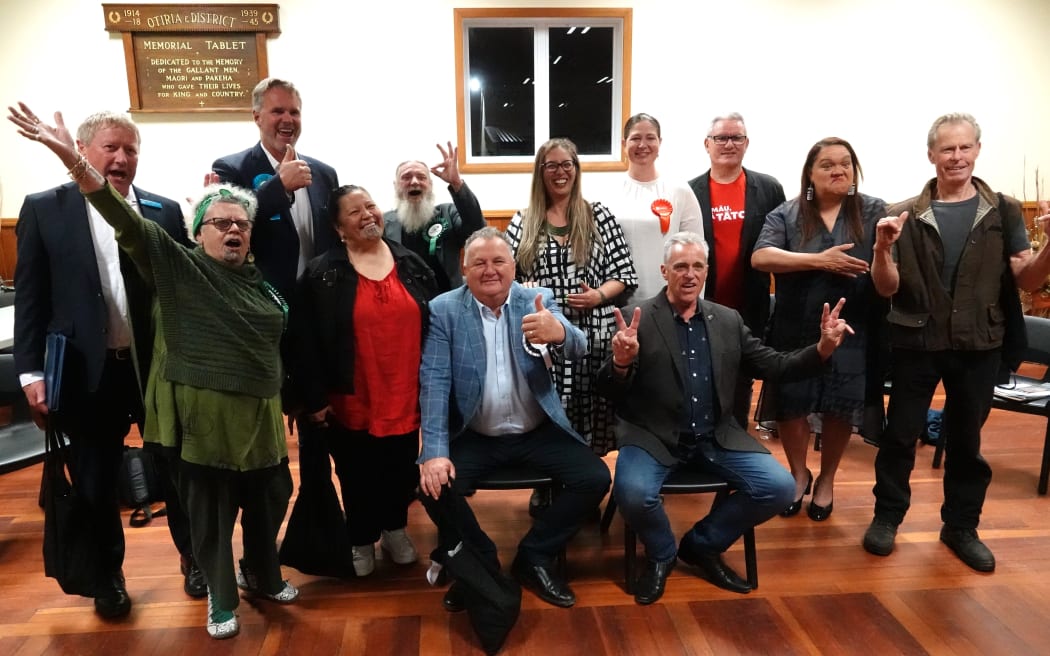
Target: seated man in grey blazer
x,y
487,401
672,375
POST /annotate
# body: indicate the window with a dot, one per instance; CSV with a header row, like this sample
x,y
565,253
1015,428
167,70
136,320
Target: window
x,y
526,75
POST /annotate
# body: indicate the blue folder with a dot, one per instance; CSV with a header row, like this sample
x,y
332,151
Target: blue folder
x,y
54,359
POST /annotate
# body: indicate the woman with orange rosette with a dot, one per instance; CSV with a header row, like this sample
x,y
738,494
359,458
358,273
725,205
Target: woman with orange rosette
x,y
819,245
649,207
577,249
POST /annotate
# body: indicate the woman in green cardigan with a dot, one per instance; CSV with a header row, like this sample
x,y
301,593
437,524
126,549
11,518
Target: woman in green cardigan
x,y
213,395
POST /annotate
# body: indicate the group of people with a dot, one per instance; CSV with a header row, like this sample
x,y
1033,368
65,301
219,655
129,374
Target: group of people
x,y
418,349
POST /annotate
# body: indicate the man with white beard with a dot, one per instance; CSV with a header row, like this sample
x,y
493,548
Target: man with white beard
x,y
434,232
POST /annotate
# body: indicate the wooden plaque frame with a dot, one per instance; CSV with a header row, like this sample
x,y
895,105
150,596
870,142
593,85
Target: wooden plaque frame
x,y
193,58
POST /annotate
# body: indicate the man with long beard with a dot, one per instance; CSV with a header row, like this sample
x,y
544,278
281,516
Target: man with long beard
x,y
434,232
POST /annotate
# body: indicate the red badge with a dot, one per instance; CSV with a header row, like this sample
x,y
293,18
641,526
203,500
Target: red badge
x,y
662,208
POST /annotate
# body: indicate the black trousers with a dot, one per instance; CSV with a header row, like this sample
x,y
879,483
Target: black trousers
x,y
550,451
213,498
378,477
969,379
96,424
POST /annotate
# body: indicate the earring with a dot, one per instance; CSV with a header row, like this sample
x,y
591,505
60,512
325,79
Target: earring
x,y
809,192
250,258
852,190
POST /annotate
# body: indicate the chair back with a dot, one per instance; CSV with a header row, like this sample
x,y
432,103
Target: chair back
x,y
1038,351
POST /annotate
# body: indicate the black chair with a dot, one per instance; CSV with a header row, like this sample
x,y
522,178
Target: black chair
x,y
522,478
682,481
1038,352
21,442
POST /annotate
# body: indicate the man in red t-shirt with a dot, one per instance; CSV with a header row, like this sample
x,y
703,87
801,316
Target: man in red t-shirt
x,y
734,202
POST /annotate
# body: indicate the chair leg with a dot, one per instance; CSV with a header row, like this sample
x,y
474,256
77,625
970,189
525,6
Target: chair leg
x,y
608,514
1044,471
938,451
630,552
751,559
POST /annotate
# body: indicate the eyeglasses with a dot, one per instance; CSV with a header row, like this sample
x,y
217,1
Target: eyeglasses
x,y
224,225
551,167
721,139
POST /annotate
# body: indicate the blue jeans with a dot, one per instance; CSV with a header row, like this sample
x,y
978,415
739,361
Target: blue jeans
x,y
763,488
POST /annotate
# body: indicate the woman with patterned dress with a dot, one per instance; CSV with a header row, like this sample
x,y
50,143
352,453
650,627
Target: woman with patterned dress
x,y
577,249
819,247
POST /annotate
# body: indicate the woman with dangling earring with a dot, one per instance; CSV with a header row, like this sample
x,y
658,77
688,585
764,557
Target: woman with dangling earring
x,y
819,248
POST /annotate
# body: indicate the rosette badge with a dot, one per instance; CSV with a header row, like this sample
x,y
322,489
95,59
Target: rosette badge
x,y
260,180
662,208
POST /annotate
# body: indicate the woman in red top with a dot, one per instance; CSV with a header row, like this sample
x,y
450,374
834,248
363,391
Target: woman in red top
x,y
358,328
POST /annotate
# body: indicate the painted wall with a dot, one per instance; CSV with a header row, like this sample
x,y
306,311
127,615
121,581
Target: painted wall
x,y
378,86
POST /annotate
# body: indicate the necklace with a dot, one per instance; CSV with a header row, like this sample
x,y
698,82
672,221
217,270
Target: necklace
x,y
557,231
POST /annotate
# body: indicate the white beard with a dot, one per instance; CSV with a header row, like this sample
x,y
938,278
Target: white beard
x,y
414,216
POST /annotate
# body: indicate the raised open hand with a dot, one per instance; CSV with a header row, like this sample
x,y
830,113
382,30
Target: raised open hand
x,y
57,138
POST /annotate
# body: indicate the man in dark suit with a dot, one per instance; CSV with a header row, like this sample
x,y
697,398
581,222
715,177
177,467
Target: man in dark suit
x,y
487,401
435,232
292,223
672,374
72,279
734,202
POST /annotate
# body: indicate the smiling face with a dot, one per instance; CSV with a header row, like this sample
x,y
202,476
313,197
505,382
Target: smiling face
x,y
488,269
559,173
833,172
279,120
360,219
727,155
113,152
954,153
230,246
685,271
413,182
642,144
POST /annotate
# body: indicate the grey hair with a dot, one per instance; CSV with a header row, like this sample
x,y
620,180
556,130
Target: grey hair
x,y
483,234
106,119
954,117
269,83
731,116
222,193
683,238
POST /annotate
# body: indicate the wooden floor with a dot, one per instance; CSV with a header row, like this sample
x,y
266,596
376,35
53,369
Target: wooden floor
x,y
820,592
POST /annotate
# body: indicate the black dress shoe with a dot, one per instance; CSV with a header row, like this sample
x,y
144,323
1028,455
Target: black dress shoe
x,y
793,509
819,513
453,600
713,569
193,578
547,585
650,585
112,600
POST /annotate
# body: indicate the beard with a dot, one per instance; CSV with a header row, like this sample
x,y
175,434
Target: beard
x,y
415,215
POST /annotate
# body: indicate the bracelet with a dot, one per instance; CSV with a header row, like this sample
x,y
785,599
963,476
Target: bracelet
x,y
622,367
78,169
602,295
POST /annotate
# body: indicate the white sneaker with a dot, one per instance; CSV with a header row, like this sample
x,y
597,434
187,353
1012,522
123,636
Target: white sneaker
x,y
364,559
399,546
222,624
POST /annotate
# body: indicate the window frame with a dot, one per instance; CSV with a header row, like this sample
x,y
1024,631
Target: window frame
x,y
540,18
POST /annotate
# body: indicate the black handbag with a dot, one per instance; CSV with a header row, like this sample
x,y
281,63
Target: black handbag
x,y
70,552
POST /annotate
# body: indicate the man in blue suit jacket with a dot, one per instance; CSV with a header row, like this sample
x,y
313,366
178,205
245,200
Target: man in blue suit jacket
x,y
72,279
487,401
292,223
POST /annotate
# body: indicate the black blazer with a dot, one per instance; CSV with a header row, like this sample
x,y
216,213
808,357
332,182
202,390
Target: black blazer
x,y
58,289
763,195
275,242
650,400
